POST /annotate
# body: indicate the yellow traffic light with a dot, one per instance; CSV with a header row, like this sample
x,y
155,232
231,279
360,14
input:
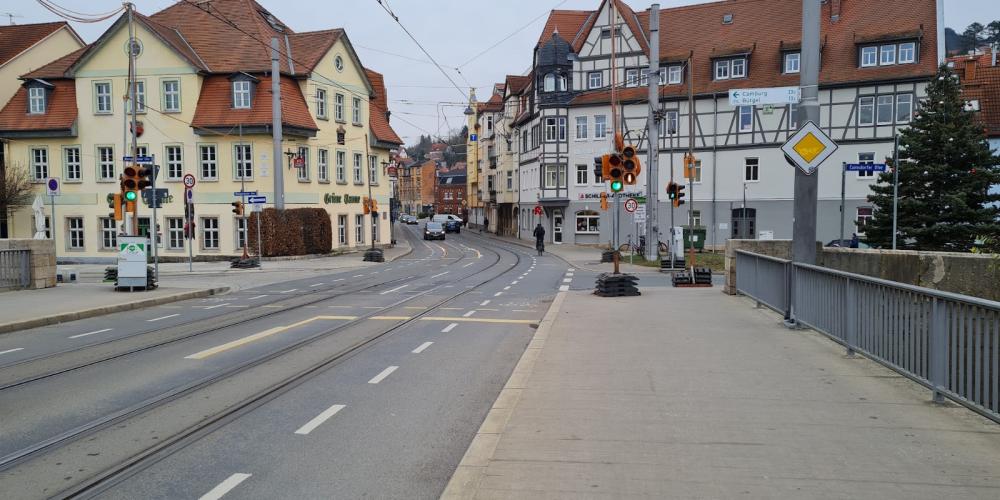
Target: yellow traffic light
x,y
374,206
116,203
631,165
689,166
365,205
604,201
237,207
615,171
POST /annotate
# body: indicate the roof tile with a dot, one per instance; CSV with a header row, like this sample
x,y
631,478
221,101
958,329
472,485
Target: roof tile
x,y
16,38
60,114
215,107
378,118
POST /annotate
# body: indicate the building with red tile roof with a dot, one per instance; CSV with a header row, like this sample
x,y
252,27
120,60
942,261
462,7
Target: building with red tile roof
x,y
979,75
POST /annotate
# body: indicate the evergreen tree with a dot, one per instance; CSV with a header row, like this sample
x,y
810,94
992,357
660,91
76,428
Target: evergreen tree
x,y
945,173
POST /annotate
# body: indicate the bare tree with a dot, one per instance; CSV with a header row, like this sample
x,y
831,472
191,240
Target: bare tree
x,y
15,187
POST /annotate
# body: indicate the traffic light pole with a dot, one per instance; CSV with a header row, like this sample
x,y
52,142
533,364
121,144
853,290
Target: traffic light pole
x,y
134,230
806,186
155,225
653,136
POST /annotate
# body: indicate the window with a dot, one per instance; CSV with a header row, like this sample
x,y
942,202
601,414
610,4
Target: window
x,y
321,104
356,111
341,167
36,100
243,154
510,181
175,163
555,176
105,163
241,232
600,126
489,124
71,158
241,94
670,123
74,226
674,74
865,215
140,97
338,107
581,175
581,127
338,62
883,111
210,233
697,171
696,218
866,158
793,116
588,222
746,118
561,122
904,108
373,170
561,82
303,173
375,238
549,83
869,56
359,229
323,165
631,77
887,55
739,68
595,80
792,62
171,96
102,97
448,196
550,130
357,168
208,162
109,234
907,53
342,229
752,169
866,110
722,70
175,233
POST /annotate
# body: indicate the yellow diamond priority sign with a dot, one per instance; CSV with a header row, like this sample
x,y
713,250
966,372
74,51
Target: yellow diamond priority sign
x,y
808,148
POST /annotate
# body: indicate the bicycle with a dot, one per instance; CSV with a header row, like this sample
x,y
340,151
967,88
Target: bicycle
x,y
540,247
640,248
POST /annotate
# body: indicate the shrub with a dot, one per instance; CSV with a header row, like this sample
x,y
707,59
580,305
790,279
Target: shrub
x,y
297,231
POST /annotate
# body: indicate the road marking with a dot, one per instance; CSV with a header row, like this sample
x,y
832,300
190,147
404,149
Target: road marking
x,y
450,308
485,302
522,310
381,376
88,333
506,287
449,328
357,276
395,289
259,335
514,282
249,306
12,350
414,307
469,264
288,291
498,294
257,297
440,274
391,318
487,309
274,305
163,317
217,305
372,307
567,280
338,279
470,313
316,284
480,320
423,346
224,487
375,272
564,288
319,419
569,275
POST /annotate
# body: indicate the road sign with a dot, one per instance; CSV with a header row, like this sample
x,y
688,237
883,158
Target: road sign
x,y
189,196
865,167
188,181
640,214
299,162
631,205
473,137
245,193
538,210
256,199
160,194
769,95
808,148
257,207
144,160
52,186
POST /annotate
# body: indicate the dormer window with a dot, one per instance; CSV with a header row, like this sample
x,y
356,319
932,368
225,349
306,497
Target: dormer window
x,y
674,74
241,94
791,62
726,69
631,77
888,54
36,100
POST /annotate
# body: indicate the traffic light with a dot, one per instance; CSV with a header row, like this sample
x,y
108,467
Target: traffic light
x,y
374,206
130,185
598,167
237,207
688,166
631,165
144,177
604,201
365,205
676,193
613,166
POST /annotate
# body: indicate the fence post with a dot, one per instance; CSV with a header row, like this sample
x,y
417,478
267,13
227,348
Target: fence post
x,y
756,280
938,347
790,287
850,317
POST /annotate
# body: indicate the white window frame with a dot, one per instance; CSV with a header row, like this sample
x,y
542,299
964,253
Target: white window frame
x,y
675,74
73,164
106,164
745,111
858,218
885,101
102,99
581,173
210,163
338,107
302,174
600,126
375,235
561,128
356,110
551,129
722,69
910,49
697,172
904,99
174,155
323,165
140,97
671,119
869,56
550,174
792,62
751,169
241,94
210,235
357,166
171,97
866,102
321,104
582,127
595,80
109,233
240,232
887,55
175,233
373,170
631,77
341,158
549,82
866,158
243,161
75,233
342,229
793,116
588,218
359,229
510,182
742,73
36,100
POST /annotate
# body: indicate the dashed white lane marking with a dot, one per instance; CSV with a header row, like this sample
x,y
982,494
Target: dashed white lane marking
x,y
338,279
514,282
506,287
498,294
485,302
570,270
217,305
21,348
469,264
449,328
319,419
567,280
86,334
163,317
440,274
564,288
316,284
421,348
375,272
381,376
257,297
224,487
569,275
400,287
288,291
470,313
357,276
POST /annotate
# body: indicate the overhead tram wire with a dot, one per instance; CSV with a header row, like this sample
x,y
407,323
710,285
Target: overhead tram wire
x,y
79,17
508,37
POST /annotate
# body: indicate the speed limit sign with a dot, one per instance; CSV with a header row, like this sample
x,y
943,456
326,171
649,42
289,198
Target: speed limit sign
x,y
631,205
188,181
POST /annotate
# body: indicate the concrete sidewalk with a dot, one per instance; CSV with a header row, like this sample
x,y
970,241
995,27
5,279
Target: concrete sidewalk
x,y
91,297
703,396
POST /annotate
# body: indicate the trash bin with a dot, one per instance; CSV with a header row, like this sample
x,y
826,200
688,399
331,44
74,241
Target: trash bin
x,y
699,238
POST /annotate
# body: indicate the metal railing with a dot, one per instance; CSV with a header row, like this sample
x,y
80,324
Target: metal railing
x,y
15,268
945,341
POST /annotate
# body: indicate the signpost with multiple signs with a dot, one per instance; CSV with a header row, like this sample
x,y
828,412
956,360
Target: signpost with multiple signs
x,y
770,95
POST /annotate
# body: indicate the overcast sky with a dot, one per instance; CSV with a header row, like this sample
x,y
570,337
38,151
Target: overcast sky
x,y
454,32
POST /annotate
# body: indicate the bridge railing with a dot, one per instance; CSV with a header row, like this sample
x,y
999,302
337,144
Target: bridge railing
x,y
946,341
15,269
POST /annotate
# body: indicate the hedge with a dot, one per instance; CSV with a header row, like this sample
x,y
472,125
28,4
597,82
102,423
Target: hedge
x,y
296,231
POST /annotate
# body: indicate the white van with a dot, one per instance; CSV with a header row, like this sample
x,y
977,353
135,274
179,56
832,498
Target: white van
x,y
442,218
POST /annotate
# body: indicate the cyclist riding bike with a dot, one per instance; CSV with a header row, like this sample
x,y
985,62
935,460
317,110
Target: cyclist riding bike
x,y
539,238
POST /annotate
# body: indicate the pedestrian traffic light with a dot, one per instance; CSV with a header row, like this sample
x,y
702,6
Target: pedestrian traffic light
x,y
676,194
630,164
116,205
604,201
613,166
237,207
366,205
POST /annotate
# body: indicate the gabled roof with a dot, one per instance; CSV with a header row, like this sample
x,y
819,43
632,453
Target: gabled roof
x,y
567,22
17,38
215,108
495,103
60,114
378,119
982,83
516,84
58,68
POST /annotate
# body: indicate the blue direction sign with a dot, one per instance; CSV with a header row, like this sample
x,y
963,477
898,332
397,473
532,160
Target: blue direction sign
x,y
245,193
473,137
865,167
257,199
139,159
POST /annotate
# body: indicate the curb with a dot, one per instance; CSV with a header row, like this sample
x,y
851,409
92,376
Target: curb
x,y
404,254
100,311
464,482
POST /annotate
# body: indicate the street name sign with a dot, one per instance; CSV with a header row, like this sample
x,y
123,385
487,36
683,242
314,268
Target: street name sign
x,y
245,193
144,160
769,95
808,148
865,167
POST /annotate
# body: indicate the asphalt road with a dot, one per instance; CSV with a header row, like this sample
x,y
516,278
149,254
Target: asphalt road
x,y
404,359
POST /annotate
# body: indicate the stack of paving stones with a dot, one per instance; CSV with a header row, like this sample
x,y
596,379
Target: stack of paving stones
x,y
244,263
374,255
666,265
702,277
617,285
608,256
111,274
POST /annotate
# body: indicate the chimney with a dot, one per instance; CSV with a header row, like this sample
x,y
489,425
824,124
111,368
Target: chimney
x,y
970,68
993,54
834,10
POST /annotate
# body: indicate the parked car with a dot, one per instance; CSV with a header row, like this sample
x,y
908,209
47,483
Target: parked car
x,y
453,226
442,218
433,231
846,244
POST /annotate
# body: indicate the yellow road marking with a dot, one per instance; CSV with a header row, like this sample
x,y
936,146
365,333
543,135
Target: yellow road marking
x,y
259,335
392,318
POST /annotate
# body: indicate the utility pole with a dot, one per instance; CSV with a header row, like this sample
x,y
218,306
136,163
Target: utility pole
x,y
134,230
653,136
279,180
370,203
895,188
804,214
690,170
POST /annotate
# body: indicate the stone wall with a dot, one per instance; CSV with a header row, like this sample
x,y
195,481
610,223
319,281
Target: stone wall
x,y
964,273
43,260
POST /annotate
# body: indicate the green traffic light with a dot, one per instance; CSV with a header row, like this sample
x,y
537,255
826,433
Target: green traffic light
x,y
130,196
616,186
